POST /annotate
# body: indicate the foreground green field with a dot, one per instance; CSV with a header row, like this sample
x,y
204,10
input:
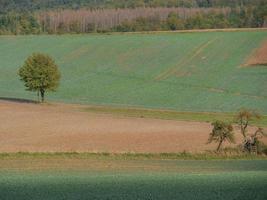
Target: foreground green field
x,y
102,177
132,186
180,71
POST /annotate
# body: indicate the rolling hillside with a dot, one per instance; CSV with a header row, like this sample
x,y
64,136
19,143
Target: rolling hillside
x,y
180,71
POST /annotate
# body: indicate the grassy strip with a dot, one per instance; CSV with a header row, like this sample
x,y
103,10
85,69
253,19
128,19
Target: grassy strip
x,y
169,31
191,31
160,32
132,156
170,115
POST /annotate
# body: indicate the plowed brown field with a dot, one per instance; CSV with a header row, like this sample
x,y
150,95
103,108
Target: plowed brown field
x,y
259,56
63,128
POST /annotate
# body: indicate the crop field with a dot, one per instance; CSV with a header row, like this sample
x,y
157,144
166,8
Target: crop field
x,y
68,128
137,117
109,178
179,71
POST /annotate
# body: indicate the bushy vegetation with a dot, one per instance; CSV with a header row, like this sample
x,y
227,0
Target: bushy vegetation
x,y
40,74
24,23
33,5
235,18
251,141
58,17
221,132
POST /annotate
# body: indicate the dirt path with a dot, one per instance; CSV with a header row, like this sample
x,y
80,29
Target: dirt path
x,y
60,128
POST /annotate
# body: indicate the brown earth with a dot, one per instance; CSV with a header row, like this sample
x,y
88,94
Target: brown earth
x,y
32,127
259,56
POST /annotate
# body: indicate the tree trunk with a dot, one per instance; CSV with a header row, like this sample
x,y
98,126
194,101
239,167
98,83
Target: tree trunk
x,y
243,129
42,91
219,146
38,95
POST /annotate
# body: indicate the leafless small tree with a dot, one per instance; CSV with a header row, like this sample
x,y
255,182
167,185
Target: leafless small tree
x,y
243,119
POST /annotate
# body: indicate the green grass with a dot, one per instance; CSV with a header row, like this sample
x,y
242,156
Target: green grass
x,y
196,72
188,180
209,155
230,186
170,115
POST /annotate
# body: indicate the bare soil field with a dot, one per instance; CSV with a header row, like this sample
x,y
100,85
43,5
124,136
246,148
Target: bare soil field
x,y
30,127
258,57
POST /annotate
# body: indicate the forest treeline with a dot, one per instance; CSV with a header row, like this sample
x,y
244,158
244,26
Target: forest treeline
x,y
33,5
61,16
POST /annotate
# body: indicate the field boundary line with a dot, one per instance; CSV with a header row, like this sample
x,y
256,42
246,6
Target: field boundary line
x,y
150,32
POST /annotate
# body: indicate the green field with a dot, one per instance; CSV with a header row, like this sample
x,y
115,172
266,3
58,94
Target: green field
x,y
180,71
133,179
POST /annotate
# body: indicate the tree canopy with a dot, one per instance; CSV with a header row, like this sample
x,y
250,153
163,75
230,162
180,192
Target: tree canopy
x,y
40,73
84,16
221,132
33,5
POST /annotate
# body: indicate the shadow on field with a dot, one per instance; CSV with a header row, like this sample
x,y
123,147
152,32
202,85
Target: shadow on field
x,y
18,100
132,186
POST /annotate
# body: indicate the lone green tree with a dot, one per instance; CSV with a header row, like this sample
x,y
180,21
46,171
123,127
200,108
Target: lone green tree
x,y
221,132
40,74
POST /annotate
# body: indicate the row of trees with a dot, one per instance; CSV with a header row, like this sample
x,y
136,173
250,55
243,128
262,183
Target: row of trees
x,y
224,131
82,21
19,24
139,19
37,5
241,18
